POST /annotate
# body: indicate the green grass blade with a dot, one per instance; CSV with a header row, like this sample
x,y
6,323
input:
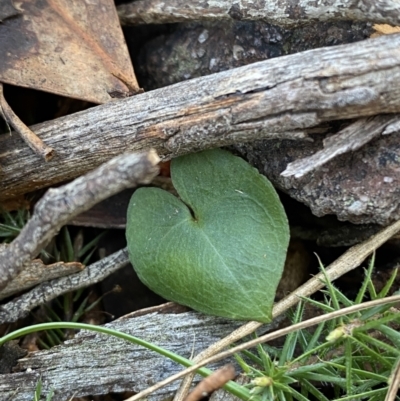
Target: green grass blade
x,y
367,280
380,378
377,310
50,395
38,391
313,390
361,341
241,362
81,309
392,334
323,306
388,285
364,396
349,364
67,248
254,358
329,286
378,344
91,245
309,353
298,396
315,337
290,343
342,299
377,322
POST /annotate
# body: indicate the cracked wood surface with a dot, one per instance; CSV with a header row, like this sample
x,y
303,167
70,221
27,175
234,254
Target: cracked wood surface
x,y
280,12
95,363
278,98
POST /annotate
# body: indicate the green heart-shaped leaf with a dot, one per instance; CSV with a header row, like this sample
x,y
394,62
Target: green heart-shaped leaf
x,y
221,248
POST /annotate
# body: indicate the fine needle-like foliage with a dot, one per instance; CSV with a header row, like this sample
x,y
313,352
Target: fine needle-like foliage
x,y
73,305
348,355
352,357
11,224
63,248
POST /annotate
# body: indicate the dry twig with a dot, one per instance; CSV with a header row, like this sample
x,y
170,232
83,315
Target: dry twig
x,y
32,140
61,204
349,139
394,383
279,12
45,292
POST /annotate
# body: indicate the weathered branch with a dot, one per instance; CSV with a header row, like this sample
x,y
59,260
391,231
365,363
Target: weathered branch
x,y
276,98
349,139
45,292
61,204
99,364
279,12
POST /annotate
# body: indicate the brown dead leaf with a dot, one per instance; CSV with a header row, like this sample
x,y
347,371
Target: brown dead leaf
x,y
384,29
71,48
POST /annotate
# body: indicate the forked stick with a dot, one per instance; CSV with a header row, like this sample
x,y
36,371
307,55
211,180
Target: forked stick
x,y
60,205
